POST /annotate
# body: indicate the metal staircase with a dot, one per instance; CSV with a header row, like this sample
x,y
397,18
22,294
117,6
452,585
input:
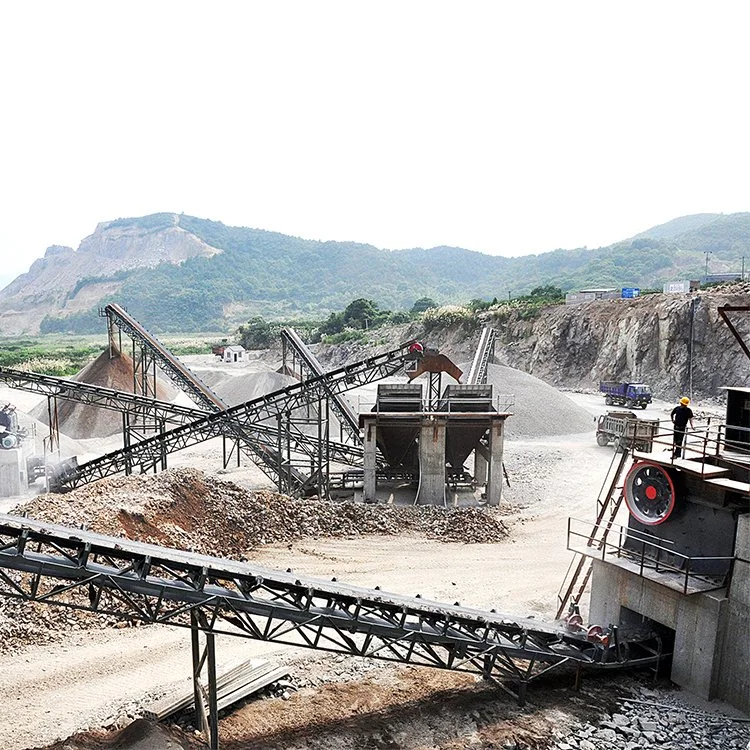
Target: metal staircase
x,y
608,504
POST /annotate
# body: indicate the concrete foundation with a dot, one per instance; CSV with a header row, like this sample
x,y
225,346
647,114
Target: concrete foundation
x,y
711,645
13,478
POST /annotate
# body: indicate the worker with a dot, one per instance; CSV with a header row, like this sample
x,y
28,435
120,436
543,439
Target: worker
x,y
681,415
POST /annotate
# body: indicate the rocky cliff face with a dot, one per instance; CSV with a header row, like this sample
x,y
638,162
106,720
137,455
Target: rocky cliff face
x,y
677,343
53,284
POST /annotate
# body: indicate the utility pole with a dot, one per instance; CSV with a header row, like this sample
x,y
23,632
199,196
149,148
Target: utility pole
x,y
708,252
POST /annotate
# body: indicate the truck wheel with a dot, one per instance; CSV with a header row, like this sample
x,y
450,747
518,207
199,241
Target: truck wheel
x,y
602,440
629,403
643,406
608,401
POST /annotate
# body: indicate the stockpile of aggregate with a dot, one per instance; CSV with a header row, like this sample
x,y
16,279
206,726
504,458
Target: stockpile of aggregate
x,y
186,509
539,409
81,421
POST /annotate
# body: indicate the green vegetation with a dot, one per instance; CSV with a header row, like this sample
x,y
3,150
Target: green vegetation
x,y
256,334
83,322
264,274
48,357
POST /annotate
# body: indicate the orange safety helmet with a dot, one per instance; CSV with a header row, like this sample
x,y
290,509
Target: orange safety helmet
x,y
684,400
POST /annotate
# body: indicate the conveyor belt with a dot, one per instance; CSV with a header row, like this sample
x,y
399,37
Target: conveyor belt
x,y
482,357
84,570
237,422
175,370
339,405
169,413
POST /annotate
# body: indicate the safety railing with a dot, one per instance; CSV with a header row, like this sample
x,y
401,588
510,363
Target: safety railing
x,y
650,556
704,446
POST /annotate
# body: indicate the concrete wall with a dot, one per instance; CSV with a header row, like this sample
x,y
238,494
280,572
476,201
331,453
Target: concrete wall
x,y
431,462
734,684
700,622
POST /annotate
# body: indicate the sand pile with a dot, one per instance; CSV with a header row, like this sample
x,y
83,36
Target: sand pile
x,y
539,410
81,421
236,389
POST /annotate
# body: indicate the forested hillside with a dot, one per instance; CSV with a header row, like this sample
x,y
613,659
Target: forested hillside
x,y
195,274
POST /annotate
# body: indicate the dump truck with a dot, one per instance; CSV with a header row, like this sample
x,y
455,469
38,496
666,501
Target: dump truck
x,y
629,395
625,430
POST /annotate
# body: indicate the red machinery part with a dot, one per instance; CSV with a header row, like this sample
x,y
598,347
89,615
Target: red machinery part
x,y
649,493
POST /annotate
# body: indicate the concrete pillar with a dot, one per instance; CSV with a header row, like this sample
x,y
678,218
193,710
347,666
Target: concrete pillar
x,y
494,489
370,487
480,467
12,472
431,462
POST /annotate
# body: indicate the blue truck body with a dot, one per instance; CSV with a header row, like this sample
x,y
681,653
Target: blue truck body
x,y
625,394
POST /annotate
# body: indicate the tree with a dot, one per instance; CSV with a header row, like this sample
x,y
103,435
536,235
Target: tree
x,y
256,334
547,292
422,304
361,313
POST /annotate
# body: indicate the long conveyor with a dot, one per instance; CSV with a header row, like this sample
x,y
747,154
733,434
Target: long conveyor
x,y
172,367
160,411
78,568
482,357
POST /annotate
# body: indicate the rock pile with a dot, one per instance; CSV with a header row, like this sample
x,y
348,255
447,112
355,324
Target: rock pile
x,y
658,720
187,509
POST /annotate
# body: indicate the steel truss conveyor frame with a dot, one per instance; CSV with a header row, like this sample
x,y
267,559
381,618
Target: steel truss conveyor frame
x,y
311,367
482,357
175,370
239,422
131,580
163,412
290,475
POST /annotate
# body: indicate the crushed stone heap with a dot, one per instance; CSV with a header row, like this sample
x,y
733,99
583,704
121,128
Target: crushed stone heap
x,y
188,509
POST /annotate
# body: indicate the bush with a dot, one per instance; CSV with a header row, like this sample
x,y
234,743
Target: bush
x,y
345,336
447,316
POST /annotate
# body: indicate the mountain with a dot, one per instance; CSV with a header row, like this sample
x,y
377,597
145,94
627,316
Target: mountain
x,y
182,273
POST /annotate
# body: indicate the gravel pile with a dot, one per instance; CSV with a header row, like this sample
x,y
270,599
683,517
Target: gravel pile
x,y
187,509
660,720
540,410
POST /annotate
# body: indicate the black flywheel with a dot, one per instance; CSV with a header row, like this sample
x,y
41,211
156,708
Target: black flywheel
x,y
649,493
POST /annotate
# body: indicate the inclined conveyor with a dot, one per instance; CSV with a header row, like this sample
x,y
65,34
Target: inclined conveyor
x,y
483,356
136,581
175,370
311,367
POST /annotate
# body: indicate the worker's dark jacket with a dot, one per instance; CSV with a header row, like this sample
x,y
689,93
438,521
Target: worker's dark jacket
x,y
681,415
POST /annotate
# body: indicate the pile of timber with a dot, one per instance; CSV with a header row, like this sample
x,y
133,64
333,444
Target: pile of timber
x,y
231,686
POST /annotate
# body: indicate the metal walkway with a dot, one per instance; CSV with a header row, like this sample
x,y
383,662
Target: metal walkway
x,y
80,569
240,423
310,367
482,357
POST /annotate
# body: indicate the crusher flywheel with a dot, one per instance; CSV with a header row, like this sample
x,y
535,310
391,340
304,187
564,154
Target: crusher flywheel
x,y
649,493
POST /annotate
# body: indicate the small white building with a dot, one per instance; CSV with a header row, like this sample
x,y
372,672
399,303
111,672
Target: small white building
x,y
234,353
680,287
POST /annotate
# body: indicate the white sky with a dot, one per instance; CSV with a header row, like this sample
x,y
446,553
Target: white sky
x,y
504,127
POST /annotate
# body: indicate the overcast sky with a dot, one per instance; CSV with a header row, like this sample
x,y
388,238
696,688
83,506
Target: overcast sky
x,y
504,127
